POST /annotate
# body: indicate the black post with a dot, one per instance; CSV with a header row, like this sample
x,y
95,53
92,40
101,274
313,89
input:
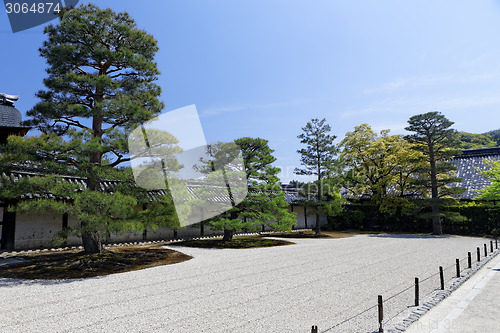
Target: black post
x,y
380,313
314,329
8,227
478,255
485,250
416,292
441,277
469,257
496,243
458,267
491,246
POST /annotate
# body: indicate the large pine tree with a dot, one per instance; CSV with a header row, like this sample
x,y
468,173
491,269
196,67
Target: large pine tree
x,y
100,84
435,138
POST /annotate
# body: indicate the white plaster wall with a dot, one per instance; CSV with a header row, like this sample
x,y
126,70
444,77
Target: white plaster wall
x,y
34,231
311,219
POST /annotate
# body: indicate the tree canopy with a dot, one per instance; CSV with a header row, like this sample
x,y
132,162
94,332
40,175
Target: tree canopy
x,y
318,157
100,84
492,173
435,138
265,203
474,141
381,167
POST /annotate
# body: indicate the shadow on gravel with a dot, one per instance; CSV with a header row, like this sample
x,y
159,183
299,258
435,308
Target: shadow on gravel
x,y
7,282
409,236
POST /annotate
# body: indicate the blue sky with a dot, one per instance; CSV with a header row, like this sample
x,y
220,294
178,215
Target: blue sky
x,y
264,68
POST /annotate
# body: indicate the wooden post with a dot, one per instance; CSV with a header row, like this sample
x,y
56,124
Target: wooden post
x,y
314,329
469,257
485,250
458,267
416,292
380,313
478,255
491,246
441,277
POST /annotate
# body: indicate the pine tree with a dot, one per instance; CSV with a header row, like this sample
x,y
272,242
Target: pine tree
x,y
100,84
318,158
437,141
265,203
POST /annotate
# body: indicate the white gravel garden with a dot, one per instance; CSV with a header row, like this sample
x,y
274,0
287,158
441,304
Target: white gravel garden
x,y
319,282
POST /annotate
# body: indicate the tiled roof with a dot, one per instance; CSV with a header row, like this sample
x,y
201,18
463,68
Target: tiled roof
x,y
9,116
466,169
218,194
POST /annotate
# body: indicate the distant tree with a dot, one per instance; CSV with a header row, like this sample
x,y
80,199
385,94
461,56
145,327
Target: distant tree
x,y
318,157
437,141
495,135
265,203
100,84
492,173
474,141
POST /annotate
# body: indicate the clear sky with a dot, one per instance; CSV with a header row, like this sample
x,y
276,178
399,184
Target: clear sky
x,y
263,68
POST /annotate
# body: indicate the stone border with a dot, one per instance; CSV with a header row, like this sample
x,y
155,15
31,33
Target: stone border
x,y
15,253
438,297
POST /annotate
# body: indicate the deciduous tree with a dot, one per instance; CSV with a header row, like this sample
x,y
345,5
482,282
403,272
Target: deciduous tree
x,y
382,167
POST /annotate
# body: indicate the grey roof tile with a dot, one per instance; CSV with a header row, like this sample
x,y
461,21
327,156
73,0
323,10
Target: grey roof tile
x,y
467,168
9,116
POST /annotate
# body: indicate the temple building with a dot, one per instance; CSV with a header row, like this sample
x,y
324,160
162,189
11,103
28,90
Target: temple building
x,y
10,124
10,118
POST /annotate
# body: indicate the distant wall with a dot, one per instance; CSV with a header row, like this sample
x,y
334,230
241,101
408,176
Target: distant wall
x,y
36,231
311,219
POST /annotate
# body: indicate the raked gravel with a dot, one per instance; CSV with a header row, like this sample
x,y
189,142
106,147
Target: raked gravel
x,y
279,289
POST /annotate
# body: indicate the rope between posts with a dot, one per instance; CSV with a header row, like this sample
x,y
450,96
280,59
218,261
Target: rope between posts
x,y
397,314
350,318
427,278
399,293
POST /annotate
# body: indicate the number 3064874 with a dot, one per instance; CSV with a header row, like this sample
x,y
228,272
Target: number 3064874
x,y
35,8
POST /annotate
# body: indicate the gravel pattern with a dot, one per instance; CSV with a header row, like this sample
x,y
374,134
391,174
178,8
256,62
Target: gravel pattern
x,y
319,282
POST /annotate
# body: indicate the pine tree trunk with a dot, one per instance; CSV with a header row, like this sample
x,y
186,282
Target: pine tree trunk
x,y
318,227
91,242
228,235
437,228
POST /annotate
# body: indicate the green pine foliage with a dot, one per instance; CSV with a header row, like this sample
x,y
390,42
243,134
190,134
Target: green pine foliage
x,y
265,203
318,157
435,138
100,85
